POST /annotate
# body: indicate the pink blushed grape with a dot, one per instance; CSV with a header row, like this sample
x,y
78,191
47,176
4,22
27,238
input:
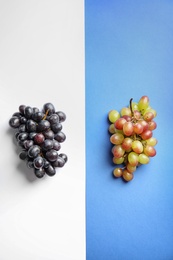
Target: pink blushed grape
x,y
146,134
128,128
150,151
148,116
117,172
127,176
130,168
138,128
152,125
118,151
120,123
144,124
116,138
127,143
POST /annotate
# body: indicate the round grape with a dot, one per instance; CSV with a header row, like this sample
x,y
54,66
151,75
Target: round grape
x,y
14,122
51,155
38,162
61,115
39,173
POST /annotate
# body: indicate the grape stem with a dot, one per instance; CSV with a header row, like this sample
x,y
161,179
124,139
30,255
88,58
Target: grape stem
x,y
45,114
131,106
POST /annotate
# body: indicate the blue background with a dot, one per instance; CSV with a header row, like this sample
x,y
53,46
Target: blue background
x,y
129,53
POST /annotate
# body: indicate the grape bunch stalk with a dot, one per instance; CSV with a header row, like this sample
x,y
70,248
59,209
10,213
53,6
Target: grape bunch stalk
x,y
131,134
39,135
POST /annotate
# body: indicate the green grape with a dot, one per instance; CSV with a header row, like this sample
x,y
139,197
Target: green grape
x,y
113,116
143,158
149,109
137,147
125,111
118,160
152,141
143,103
112,129
133,158
134,106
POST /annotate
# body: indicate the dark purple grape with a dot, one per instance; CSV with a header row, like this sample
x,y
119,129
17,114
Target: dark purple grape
x,y
28,112
49,109
62,116
28,143
22,136
23,120
14,122
39,138
32,135
56,128
47,145
39,173
22,109
50,170
22,128
38,162
38,116
31,125
63,156
49,134
53,119
34,151
43,125
60,137
18,114
20,143
51,155
56,145
30,164
46,163
23,155
16,135
59,162
35,110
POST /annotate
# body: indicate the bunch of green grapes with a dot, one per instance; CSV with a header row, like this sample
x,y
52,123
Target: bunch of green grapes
x,y
132,138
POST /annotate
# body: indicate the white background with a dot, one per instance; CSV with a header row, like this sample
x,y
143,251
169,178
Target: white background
x,y
42,60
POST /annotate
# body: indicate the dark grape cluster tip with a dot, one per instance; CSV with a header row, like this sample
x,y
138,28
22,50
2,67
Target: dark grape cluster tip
x,y
39,134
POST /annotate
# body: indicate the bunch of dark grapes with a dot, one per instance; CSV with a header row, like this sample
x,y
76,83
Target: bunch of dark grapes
x,y
131,132
39,134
